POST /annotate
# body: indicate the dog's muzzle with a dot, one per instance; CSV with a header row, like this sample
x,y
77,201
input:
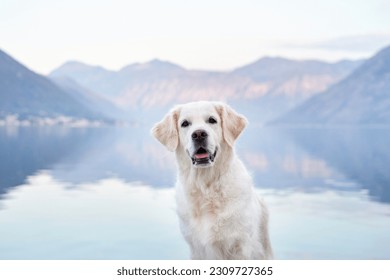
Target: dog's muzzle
x,y
203,157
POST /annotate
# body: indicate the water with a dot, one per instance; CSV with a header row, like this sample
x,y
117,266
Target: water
x,y
107,193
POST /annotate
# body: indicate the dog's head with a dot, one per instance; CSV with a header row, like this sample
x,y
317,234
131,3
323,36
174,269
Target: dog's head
x,y
200,129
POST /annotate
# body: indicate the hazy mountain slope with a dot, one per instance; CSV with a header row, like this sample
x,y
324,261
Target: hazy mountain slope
x,y
27,94
361,98
93,101
159,83
294,78
94,78
264,89
278,68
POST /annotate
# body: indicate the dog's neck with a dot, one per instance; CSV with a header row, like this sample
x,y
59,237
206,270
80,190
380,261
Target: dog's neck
x,y
204,179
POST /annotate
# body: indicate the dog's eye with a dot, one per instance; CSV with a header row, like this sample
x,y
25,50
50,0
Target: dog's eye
x,y
185,123
212,120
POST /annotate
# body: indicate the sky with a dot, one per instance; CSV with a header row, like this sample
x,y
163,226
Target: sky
x,y
201,34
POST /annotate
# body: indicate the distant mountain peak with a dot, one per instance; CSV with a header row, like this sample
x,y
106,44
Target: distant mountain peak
x,y
28,94
384,51
74,65
279,68
154,64
361,98
272,85
272,58
157,61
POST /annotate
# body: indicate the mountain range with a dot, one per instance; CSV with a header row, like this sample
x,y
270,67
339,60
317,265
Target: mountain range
x,y
363,98
271,90
264,89
30,96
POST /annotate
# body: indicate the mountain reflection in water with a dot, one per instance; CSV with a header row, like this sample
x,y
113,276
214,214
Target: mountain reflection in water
x,y
106,193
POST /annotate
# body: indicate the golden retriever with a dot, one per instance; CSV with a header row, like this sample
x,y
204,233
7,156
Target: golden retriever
x,y
221,217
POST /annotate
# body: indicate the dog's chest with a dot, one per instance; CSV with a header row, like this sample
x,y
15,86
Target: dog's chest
x,y
207,213
209,202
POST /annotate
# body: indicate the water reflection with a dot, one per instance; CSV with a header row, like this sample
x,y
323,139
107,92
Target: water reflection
x,y
107,219
279,161
113,219
328,225
82,155
106,193
311,160
362,155
24,151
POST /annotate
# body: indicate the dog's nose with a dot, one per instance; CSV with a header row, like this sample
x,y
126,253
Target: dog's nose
x,y
199,135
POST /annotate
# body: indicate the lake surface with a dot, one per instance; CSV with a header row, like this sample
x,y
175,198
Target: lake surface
x,y
107,193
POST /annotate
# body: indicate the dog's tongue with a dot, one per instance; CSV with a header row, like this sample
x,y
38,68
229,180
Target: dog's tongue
x,y
204,155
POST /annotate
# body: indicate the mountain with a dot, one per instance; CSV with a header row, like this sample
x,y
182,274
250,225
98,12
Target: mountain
x,y
156,85
294,78
265,89
29,95
363,98
289,83
89,99
94,78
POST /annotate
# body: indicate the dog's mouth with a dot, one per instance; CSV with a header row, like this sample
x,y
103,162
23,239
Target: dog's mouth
x,y
203,157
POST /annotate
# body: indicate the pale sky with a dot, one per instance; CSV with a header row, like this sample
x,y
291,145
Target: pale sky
x,y
200,34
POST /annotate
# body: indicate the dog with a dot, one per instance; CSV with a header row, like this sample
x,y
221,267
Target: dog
x,y
221,216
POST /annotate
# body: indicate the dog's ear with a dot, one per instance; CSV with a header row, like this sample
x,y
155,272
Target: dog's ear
x,y
232,123
166,131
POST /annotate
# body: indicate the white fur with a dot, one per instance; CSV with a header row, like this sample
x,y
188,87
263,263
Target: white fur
x,y
221,216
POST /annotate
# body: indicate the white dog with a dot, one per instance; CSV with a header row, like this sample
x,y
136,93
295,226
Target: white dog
x,y
221,216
